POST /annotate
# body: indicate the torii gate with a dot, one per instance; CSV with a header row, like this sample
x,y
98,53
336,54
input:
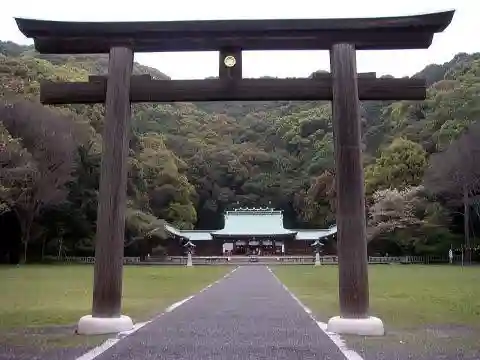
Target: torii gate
x,y
342,37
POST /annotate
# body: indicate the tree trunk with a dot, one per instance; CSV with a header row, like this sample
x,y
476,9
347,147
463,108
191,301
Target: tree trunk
x,y
25,219
25,225
25,240
466,225
43,247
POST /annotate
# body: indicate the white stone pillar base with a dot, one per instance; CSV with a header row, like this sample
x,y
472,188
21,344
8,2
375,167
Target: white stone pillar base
x,y
317,259
89,325
189,260
370,326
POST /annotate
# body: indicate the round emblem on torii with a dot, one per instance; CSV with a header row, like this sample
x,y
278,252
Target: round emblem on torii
x,y
230,61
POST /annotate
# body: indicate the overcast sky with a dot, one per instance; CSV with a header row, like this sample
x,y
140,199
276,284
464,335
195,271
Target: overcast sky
x,y
461,36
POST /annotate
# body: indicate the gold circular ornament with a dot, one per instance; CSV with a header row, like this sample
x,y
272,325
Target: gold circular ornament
x,y
229,61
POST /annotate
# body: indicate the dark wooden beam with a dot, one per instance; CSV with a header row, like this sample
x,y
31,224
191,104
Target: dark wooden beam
x,y
327,75
241,90
134,78
404,32
350,217
109,244
392,40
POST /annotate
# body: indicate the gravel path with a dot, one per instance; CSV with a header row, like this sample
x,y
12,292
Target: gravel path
x,y
248,315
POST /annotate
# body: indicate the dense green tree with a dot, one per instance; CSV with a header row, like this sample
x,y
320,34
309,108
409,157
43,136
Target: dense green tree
x,y
399,165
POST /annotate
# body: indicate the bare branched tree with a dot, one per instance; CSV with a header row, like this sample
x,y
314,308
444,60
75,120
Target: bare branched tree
x,y
35,174
455,175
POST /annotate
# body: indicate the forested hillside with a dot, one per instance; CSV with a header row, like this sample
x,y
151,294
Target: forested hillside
x,y
190,162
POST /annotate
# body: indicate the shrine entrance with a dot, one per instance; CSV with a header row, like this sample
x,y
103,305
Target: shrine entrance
x,y
255,246
343,86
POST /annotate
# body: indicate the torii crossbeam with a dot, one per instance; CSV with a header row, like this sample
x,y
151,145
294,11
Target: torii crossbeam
x,y
344,87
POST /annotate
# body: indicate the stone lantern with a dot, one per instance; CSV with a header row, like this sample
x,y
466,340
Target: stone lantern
x,y
189,246
317,246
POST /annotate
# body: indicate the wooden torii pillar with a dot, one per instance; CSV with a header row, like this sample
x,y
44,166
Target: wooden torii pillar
x,y
342,37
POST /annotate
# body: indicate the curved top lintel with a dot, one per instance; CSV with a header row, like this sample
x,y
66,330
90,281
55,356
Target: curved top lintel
x,y
402,32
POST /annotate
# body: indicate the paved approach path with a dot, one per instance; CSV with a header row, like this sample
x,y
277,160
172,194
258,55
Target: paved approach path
x,y
248,315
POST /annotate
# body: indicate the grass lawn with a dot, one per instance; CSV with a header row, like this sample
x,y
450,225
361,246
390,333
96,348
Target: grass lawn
x,y
39,303
417,303
60,294
402,295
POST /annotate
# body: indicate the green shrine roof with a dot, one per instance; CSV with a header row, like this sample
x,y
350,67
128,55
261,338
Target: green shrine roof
x,y
261,222
315,234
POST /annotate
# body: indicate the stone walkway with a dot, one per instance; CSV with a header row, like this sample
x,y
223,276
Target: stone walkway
x,y
248,315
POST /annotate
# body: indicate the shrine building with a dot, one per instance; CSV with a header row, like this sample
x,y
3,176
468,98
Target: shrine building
x,y
248,231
